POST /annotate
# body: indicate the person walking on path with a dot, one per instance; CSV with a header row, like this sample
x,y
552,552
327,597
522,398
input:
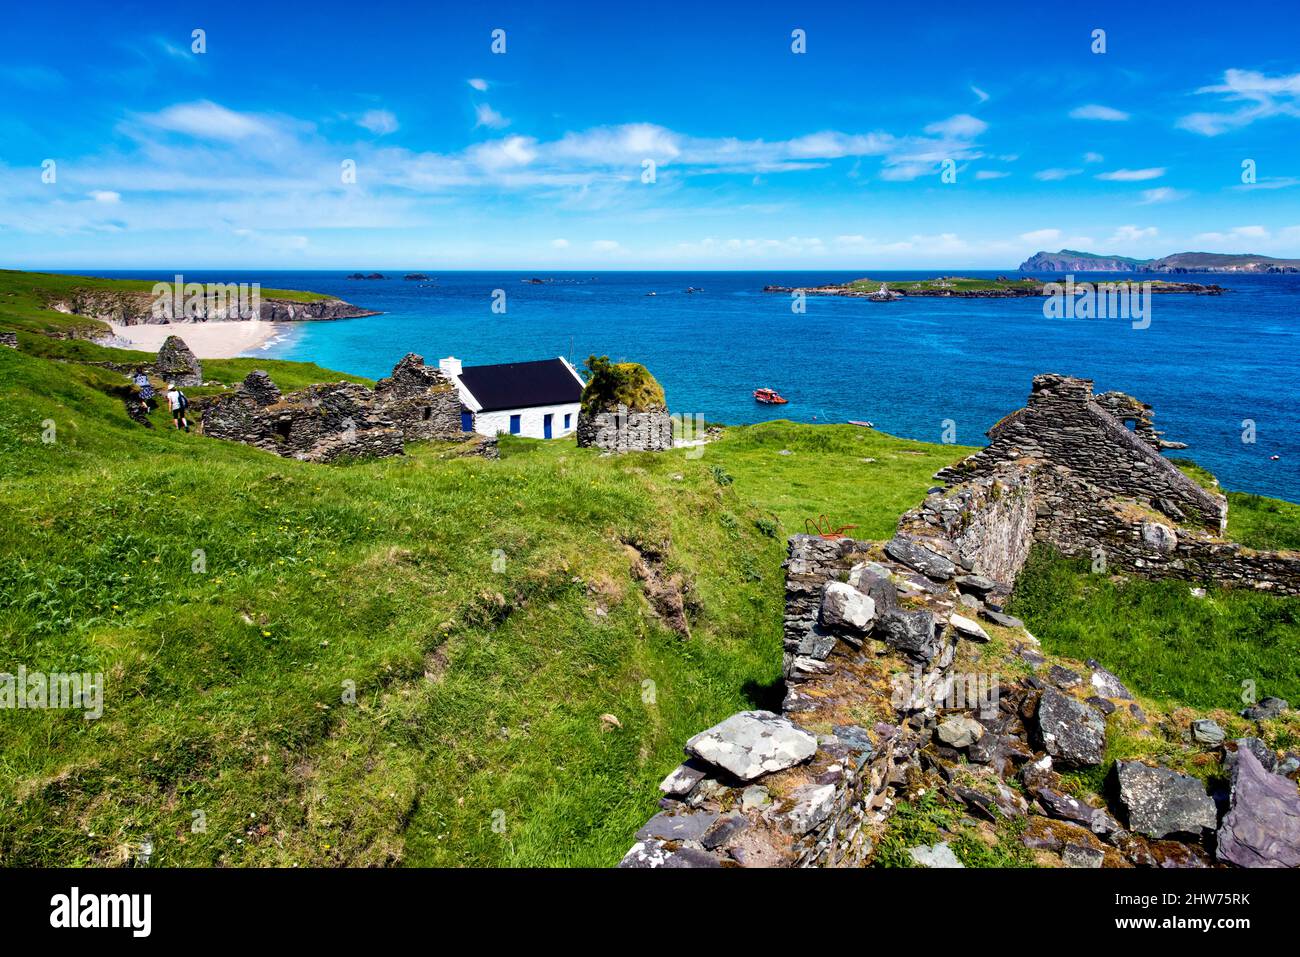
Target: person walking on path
x,y
178,403
146,390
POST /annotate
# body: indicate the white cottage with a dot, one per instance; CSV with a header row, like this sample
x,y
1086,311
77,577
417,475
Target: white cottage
x,y
539,400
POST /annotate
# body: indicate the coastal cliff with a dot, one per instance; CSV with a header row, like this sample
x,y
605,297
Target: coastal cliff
x,y
1070,260
137,308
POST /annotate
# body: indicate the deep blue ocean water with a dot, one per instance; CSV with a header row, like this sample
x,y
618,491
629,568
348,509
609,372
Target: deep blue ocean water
x,y
1205,363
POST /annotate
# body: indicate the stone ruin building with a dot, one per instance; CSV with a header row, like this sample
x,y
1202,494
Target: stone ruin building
x,y
885,644
177,363
322,422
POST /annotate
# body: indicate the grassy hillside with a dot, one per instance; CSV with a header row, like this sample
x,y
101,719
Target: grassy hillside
x,y
485,612
431,660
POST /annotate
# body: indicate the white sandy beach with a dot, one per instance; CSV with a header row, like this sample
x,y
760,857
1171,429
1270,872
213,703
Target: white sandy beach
x,y
207,340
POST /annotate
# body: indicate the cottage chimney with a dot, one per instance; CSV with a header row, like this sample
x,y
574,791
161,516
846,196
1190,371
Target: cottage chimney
x,y
449,366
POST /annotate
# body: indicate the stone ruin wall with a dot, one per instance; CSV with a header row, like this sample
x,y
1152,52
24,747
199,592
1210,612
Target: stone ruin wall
x,y
625,431
961,549
1064,424
323,422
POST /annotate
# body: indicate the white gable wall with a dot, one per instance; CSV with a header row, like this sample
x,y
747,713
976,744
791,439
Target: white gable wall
x,y
531,422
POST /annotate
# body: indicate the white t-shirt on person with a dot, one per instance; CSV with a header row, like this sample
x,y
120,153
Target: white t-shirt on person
x,y
173,399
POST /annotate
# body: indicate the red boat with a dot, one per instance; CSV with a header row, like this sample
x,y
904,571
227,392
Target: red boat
x,y
770,397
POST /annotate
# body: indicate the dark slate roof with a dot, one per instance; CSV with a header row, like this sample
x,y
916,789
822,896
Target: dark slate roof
x,y
521,385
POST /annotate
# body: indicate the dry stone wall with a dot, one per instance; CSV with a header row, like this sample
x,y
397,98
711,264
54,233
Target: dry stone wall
x,y
624,431
323,422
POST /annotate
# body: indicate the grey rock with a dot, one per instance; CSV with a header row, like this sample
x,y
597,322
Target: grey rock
x,y
753,743
1106,684
934,855
1068,808
1070,731
817,644
655,854
998,618
681,780
1160,537
843,606
1207,731
976,584
917,556
1079,855
967,628
1161,802
754,797
967,600
1265,709
666,826
727,827
813,803
1063,678
911,632
1262,826
960,732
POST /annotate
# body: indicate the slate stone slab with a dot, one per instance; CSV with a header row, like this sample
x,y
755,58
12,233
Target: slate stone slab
x,y
917,556
934,855
1262,826
1161,802
1207,731
1106,684
911,632
753,743
677,827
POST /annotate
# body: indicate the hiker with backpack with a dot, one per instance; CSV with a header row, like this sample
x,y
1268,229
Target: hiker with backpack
x,y
178,403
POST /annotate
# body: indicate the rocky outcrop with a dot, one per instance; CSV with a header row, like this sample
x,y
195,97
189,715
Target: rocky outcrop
x,y
176,363
1069,260
142,308
324,422
9,340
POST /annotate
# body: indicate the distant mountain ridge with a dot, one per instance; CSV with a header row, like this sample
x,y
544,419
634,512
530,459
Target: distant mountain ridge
x,y
1071,260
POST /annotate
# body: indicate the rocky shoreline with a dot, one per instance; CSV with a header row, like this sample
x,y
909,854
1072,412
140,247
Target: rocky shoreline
x,y
135,309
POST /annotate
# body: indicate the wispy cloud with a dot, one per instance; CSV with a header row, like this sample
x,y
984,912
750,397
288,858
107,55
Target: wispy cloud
x,y
484,115
1095,111
979,94
1056,174
962,125
1091,157
1041,236
991,174
1127,235
1260,96
1132,175
379,122
479,84
204,119
1161,194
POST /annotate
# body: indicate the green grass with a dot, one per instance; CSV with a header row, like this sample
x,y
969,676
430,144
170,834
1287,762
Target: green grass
x,y
1263,523
479,694
1163,642
853,475
955,283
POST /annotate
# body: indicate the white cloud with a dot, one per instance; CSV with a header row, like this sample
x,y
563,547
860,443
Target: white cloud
x,y
605,246
1133,234
1271,182
961,126
1054,175
1260,96
379,122
484,115
479,84
1040,236
991,174
1237,234
204,119
1161,194
1132,175
559,243
105,196
1095,111
980,94
1093,157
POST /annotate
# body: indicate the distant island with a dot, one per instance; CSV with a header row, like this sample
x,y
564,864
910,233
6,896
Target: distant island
x,y
1071,260
965,287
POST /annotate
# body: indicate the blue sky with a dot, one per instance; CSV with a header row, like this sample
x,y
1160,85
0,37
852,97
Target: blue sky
x,y
534,158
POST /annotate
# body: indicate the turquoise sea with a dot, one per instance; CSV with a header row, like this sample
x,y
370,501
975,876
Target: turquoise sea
x,y
1206,363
